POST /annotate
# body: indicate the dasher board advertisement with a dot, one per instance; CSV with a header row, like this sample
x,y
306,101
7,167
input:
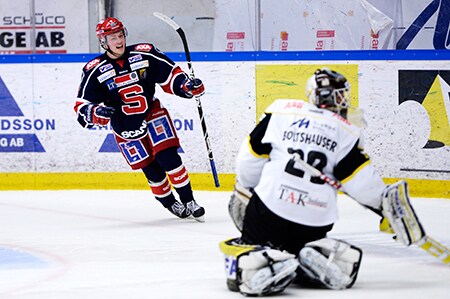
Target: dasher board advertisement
x,y
61,26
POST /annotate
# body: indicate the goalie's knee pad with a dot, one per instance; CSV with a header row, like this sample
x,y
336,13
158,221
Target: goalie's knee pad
x,y
331,262
257,270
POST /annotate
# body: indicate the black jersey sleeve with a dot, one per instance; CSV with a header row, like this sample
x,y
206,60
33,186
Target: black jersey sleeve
x,y
90,88
257,135
347,166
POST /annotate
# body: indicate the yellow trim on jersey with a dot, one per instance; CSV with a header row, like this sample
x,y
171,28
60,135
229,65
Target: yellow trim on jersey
x,y
355,172
265,156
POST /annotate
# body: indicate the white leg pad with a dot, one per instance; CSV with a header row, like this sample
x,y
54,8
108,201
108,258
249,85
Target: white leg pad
x,y
266,271
333,263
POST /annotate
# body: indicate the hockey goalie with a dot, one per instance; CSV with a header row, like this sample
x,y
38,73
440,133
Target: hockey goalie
x,y
284,211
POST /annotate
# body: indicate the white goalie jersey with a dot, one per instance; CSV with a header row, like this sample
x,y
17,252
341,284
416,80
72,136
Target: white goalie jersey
x,y
324,140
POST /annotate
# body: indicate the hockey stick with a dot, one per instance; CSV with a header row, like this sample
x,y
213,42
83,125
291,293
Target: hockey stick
x,y
317,173
435,248
427,243
180,32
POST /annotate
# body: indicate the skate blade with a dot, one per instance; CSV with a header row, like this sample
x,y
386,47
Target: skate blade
x,y
199,219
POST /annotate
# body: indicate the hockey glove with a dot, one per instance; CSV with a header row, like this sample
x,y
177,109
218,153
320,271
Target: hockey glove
x,y
102,114
192,87
238,203
92,114
397,208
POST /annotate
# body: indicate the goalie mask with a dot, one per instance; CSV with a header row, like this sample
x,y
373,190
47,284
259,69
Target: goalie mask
x,y
107,27
330,90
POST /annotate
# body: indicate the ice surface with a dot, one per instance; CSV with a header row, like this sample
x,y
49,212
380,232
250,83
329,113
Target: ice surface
x,y
124,244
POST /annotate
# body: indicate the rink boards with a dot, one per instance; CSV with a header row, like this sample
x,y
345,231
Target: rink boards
x,y
404,96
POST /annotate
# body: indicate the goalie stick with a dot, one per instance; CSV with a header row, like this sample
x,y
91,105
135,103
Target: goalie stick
x,y
427,243
435,248
180,32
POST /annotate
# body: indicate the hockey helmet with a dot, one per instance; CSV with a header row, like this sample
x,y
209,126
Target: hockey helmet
x,y
330,90
108,26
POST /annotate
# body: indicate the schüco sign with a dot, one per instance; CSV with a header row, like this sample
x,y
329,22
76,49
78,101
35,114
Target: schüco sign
x,y
16,30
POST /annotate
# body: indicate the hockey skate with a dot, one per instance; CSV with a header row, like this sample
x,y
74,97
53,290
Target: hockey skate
x,y
195,210
179,210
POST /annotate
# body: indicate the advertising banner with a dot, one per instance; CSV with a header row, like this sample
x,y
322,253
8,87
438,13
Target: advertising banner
x,y
406,107
286,25
39,131
57,26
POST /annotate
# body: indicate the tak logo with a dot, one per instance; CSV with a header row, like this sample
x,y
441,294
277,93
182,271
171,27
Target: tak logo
x,y
292,195
441,39
14,126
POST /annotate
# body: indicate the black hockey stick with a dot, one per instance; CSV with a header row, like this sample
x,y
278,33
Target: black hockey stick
x,y
180,32
427,243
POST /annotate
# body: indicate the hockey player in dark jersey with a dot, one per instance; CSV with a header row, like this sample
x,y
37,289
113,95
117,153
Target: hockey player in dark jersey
x,y
288,173
118,87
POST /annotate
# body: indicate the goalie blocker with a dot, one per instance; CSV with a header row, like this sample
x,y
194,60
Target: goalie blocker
x,y
238,203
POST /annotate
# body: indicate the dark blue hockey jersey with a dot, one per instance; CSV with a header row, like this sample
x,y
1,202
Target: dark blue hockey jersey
x,y
128,85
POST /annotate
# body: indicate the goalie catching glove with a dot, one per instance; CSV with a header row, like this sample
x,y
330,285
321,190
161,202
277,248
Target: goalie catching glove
x,y
396,207
257,270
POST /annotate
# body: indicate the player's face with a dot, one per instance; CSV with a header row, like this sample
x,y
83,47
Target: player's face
x,y
116,43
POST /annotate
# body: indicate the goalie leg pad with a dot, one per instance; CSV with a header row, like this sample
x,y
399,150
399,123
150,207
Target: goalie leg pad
x,y
333,263
257,270
400,214
238,203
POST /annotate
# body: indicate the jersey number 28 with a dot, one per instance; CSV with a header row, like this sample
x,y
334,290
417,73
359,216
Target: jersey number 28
x,y
314,158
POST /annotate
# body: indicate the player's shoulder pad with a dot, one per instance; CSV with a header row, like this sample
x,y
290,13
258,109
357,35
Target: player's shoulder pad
x,y
340,119
93,63
342,123
286,106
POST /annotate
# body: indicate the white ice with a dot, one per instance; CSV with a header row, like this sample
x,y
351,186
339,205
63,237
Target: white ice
x,y
124,244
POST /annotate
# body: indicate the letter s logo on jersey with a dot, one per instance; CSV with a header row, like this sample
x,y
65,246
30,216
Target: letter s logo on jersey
x,y
92,63
143,47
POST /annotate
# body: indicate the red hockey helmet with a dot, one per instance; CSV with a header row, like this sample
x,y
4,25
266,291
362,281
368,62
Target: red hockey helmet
x,y
108,26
